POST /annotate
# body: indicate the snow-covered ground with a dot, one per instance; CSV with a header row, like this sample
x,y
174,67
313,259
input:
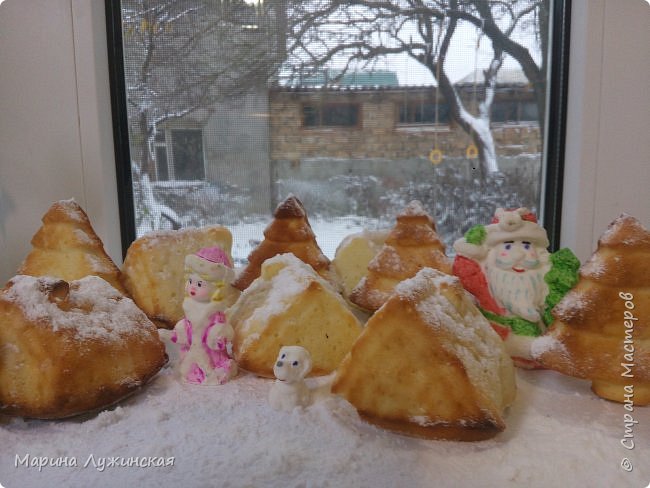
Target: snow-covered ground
x,y
339,203
329,233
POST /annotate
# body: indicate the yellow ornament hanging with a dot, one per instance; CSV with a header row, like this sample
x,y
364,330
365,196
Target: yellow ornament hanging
x,y
472,151
435,156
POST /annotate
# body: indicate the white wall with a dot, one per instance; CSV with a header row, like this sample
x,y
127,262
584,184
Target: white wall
x,y
608,128
55,121
56,138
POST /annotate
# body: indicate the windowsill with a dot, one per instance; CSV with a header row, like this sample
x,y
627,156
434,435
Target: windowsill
x,y
422,128
331,128
178,183
526,123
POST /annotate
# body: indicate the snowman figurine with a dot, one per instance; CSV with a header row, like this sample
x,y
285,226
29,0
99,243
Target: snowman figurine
x,y
204,335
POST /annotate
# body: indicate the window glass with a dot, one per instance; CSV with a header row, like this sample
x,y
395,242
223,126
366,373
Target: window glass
x,y
423,111
187,147
221,99
505,111
330,115
528,111
161,162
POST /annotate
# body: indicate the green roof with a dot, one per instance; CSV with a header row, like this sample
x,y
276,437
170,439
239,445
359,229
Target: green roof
x,y
353,78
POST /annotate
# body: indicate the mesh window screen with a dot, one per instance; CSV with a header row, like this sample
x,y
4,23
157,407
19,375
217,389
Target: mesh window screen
x,y
232,105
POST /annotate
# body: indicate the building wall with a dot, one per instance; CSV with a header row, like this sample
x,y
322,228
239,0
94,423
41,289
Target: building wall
x,y
379,133
237,147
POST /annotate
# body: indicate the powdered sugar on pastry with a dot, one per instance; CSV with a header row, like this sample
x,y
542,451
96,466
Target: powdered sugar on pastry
x,y
67,247
93,308
71,208
475,343
555,419
544,344
292,279
290,304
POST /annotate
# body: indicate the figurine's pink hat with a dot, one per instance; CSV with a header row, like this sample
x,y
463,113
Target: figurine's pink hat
x,y
208,261
215,255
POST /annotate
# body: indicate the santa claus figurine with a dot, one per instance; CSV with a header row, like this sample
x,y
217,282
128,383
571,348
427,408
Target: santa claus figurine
x,y
514,278
204,335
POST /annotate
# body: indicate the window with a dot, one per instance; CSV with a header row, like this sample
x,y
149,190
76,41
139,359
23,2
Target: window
x,y
423,112
330,115
179,155
187,148
528,112
254,76
514,111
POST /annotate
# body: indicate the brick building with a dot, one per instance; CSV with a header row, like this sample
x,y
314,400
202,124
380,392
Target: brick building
x,y
394,122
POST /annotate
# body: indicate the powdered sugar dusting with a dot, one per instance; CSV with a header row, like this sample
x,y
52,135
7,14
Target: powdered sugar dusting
x,y
83,238
230,436
98,265
425,421
627,231
413,209
72,209
387,261
544,344
270,296
96,309
474,342
425,278
153,238
574,303
292,280
595,267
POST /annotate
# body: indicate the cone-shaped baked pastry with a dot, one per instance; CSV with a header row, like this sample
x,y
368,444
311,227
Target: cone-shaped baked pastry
x,y
69,348
290,305
289,231
353,255
154,268
429,365
601,329
411,245
67,247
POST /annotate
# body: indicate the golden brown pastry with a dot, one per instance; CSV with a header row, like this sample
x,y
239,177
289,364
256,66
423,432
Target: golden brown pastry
x,y
353,255
67,247
290,305
601,330
411,245
69,348
154,268
429,365
288,232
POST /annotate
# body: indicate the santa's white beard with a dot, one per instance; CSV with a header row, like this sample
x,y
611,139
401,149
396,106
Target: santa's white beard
x,y
521,294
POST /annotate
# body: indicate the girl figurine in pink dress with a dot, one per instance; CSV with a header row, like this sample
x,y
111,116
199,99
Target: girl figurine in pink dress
x,y
204,335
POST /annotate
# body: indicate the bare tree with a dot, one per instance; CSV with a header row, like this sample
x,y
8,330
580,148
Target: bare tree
x,y
356,33
183,56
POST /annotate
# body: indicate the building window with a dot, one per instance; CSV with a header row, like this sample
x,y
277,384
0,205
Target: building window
x,y
247,73
514,111
179,154
423,112
330,115
528,112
